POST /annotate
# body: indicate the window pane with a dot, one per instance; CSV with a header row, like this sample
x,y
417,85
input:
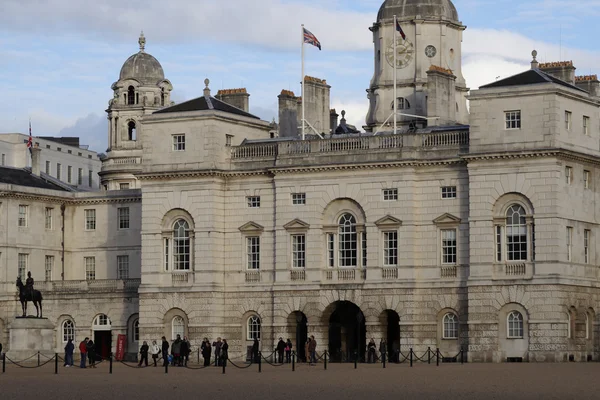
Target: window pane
x,y
516,234
449,246
253,328
298,251
253,252
390,248
347,241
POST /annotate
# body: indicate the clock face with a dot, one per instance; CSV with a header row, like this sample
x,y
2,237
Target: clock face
x,y
430,51
404,53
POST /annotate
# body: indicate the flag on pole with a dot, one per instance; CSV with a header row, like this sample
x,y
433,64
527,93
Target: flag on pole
x,y
399,29
311,39
30,140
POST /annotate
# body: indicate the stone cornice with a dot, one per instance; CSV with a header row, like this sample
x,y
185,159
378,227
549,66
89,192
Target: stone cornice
x,y
70,201
541,153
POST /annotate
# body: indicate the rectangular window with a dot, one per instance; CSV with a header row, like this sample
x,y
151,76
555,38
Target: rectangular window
x,y
22,264
90,268
69,174
80,176
58,149
449,246
586,245
47,167
390,194
253,252
298,251
4,160
253,201
364,248
122,267
90,220
498,243
70,151
449,192
298,199
48,217
513,119
166,254
179,142
569,243
228,140
90,178
568,118
586,179
58,171
569,175
586,125
123,217
390,248
123,186
331,250
48,266
23,214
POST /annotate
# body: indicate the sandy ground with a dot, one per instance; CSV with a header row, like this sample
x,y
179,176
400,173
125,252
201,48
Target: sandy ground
x,y
339,381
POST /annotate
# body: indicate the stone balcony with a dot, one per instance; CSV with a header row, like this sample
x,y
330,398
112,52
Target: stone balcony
x,y
80,286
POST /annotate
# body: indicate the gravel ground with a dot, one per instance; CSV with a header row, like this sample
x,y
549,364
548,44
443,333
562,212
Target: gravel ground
x,y
340,381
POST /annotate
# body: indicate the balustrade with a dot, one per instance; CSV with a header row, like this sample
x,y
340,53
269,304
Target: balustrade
x,y
515,269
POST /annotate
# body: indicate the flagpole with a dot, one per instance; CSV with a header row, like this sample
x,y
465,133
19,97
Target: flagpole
x,y
395,78
302,94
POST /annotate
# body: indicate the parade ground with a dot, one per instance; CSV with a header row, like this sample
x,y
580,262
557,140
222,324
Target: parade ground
x,y
340,381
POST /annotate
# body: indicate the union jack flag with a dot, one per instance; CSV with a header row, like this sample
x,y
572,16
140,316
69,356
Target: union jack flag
x,y
311,39
399,29
30,140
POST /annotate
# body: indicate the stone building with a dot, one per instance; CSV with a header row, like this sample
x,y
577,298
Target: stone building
x,y
480,237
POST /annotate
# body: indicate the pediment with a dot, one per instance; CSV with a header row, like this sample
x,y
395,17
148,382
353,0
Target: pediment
x,y
296,224
388,222
251,227
446,219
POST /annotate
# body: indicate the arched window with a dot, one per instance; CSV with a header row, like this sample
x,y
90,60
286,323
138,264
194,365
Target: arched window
x,y
253,327
569,322
516,234
450,326
515,325
177,327
181,245
131,130
162,96
130,95
68,330
347,241
403,104
136,330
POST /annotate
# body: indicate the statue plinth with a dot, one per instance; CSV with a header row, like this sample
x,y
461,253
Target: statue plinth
x,y
27,336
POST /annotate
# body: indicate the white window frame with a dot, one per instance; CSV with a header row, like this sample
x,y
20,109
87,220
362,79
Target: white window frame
x,y
177,327
123,218
123,267
48,268
253,327
449,192
69,174
298,199
253,253
348,242
90,268
68,330
390,194
23,219
48,218
298,243
22,265
450,326
515,326
446,246
586,245
586,179
586,125
569,243
568,120
179,142
330,250
390,248
90,219
512,120
569,175
515,231
253,201
181,246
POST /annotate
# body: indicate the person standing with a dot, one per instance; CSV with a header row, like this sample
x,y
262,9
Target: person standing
x,y
155,351
144,354
371,351
312,350
288,351
189,349
307,351
83,351
217,345
176,351
91,353
69,348
206,350
165,351
383,350
224,353
255,356
280,350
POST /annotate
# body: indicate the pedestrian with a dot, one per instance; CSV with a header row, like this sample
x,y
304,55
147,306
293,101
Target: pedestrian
x,y
176,350
69,348
83,351
206,349
144,354
280,350
224,353
371,351
155,351
165,351
383,350
255,347
307,351
91,353
217,345
288,351
188,350
312,350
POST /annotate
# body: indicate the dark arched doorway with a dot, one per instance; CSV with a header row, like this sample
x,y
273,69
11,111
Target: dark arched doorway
x,y
391,321
299,324
347,332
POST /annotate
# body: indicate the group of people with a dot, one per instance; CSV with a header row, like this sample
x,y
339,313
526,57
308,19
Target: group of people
x,y
87,349
372,350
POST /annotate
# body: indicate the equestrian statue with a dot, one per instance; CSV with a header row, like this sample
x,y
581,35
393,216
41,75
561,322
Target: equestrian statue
x,y
28,293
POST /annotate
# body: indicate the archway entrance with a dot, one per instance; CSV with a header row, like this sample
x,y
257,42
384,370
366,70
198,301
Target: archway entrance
x,y
391,320
347,332
102,335
299,323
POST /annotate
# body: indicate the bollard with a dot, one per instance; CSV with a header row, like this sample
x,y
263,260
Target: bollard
x,y
411,356
110,359
198,355
167,365
325,359
3,362
355,360
429,355
383,358
462,360
55,363
437,357
38,358
293,361
259,361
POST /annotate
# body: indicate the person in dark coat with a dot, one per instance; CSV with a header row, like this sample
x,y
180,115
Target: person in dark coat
x,y
165,351
288,351
217,345
144,354
91,353
185,352
224,352
255,346
280,350
69,348
383,350
176,350
371,351
206,349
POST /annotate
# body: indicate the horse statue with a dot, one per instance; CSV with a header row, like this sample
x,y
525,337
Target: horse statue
x,y
29,294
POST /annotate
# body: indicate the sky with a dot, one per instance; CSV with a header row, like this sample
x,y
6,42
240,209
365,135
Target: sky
x,y
59,58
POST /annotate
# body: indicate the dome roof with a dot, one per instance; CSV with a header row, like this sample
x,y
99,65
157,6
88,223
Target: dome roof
x,y
142,66
437,9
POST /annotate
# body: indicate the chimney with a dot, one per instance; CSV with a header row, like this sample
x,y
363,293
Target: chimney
x,y
288,114
441,96
563,70
236,97
35,160
317,98
333,120
589,83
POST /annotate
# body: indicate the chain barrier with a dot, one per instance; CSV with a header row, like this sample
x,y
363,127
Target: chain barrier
x,y
17,363
270,363
237,366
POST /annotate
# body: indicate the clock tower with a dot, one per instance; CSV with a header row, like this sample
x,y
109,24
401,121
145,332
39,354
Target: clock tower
x,y
433,39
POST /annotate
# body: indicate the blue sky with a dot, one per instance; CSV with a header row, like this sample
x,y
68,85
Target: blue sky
x,y
58,58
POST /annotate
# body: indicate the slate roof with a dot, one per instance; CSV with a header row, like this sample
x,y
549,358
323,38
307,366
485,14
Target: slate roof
x,y
205,103
23,177
530,77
